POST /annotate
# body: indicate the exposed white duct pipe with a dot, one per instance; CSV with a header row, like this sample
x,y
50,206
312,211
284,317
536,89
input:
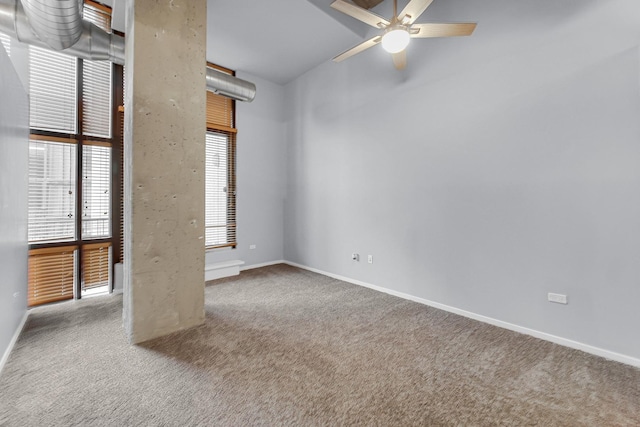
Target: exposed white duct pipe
x,y
92,43
58,23
230,86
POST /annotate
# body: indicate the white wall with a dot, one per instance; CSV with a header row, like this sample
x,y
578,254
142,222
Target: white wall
x,y
14,133
495,169
261,176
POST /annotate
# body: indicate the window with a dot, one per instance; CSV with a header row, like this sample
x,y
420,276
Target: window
x,y
6,42
71,156
220,194
96,98
52,90
52,191
96,267
96,191
51,274
220,166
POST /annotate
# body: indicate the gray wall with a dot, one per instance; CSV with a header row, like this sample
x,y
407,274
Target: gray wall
x,y
497,168
14,152
261,165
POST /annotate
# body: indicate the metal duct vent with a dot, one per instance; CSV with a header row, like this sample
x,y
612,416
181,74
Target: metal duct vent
x,y
58,25
230,86
90,42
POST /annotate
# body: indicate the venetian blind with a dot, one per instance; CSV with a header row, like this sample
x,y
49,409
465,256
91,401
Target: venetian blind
x,y
220,212
6,42
121,122
220,112
96,79
51,274
52,90
220,181
96,191
52,191
98,14
96,98
95,265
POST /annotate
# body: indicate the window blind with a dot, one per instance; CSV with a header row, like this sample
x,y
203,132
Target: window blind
x,y
220,177
96,98
52,191
95,266
121,115
97,14
220,210
220,112
96,191
6,42
52,90
51,274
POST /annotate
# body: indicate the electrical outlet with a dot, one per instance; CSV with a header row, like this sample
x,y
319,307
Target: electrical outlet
x,y
559,298
370,259
355,257
252,246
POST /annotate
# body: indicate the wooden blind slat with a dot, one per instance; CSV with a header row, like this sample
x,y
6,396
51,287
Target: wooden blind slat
x,y
37,137
95,265
219,111
51,275
98,14
222,129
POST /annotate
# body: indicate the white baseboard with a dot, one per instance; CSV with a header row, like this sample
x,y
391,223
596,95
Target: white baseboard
x,y
263,264
222,269
611,355
13,341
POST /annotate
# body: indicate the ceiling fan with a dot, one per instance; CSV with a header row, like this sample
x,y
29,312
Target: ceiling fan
x,y
398,31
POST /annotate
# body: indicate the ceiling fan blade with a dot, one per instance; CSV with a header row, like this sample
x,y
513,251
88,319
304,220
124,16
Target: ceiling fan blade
x,y
360,14
413,10
400,59
357,49
442,30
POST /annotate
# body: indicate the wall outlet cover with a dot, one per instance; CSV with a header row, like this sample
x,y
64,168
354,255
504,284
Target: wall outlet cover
x,y
557,298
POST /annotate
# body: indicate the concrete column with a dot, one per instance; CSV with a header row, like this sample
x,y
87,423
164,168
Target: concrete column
x,y
164,166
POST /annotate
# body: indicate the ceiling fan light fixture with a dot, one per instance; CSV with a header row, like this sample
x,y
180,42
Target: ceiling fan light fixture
x,y
395,40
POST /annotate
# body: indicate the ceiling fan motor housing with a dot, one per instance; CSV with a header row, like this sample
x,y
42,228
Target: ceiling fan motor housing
x,y
396,38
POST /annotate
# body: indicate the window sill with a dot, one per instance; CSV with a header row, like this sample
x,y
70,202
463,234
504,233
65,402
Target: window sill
x,y
224,249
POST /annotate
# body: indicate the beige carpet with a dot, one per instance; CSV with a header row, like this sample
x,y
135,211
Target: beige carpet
x,y
283,346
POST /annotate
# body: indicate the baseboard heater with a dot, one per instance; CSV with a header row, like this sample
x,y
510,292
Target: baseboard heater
x,y
222,269
213,271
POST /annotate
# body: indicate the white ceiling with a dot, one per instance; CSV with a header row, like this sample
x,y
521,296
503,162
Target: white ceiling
x,y
279,40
